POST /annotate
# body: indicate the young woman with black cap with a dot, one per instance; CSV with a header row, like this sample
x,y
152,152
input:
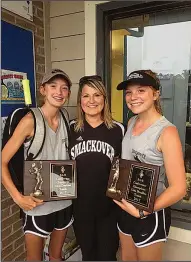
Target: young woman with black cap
x,y
95,140
42,219
152,139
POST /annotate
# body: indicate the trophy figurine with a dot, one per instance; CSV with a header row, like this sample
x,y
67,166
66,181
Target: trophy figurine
x,y
62,174
141,174
113,185
37,172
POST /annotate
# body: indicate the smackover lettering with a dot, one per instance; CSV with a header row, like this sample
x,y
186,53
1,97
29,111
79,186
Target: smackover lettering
x,y
92,146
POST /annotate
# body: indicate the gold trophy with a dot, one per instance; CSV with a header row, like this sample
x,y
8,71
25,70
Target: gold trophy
x,y
37,172
113,185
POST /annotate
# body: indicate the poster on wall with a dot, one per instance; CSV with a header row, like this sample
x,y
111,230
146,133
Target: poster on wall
x,y
11,90
22,8
11,87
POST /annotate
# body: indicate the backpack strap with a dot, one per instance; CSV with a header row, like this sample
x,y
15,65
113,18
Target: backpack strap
x,y
65,116
38,139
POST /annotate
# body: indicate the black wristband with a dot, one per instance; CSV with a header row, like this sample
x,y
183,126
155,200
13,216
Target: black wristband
x,y
141,214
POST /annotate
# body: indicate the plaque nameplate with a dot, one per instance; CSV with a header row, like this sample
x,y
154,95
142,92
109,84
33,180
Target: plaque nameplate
x,y
135,182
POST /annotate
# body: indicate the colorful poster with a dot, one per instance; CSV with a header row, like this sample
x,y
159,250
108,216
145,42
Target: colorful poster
x,y
11,87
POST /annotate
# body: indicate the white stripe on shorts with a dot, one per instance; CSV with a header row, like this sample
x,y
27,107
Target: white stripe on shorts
x,y
154,231
122,231
164,223
25,220
71,221
38,228
150,243
37,234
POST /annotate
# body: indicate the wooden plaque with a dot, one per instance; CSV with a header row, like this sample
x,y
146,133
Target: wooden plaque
x,y
50,180
135,182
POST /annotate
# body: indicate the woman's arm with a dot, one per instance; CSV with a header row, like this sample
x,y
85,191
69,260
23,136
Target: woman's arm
x,y
170,146
24,130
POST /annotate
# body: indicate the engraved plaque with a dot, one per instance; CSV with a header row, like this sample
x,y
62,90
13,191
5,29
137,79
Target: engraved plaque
x,y
50,180
135,182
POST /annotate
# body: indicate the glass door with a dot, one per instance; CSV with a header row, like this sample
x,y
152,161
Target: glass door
x,y
160,42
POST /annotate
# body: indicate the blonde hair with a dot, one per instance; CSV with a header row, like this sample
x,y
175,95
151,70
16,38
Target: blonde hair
x,y
157,103
96,83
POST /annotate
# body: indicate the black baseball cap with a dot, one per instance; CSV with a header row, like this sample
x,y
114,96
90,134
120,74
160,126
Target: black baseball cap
x,y
141,78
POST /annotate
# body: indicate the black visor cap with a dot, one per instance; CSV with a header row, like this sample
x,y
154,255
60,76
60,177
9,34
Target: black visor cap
x,y
138,78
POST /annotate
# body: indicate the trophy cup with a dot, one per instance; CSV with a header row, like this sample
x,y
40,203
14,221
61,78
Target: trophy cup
x,y
37,172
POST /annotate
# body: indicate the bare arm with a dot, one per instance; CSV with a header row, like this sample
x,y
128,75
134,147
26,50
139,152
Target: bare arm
x,y
24,130
170,145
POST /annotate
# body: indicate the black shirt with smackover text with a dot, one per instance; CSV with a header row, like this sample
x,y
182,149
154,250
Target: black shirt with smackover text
x,y
94,149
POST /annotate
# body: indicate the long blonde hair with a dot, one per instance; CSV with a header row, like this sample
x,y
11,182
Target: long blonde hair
x,y
157,103
96,83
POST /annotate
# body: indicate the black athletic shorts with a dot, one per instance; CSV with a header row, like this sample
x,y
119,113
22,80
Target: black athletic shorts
x,y
146,231
44,225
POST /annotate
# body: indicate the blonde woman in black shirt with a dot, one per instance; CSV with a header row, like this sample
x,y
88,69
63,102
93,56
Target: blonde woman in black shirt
x,y
95,140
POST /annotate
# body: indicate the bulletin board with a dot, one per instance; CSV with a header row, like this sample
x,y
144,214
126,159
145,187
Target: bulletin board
x,y
17,54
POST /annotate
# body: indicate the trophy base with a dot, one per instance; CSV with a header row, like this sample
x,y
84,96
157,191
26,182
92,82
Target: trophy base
x,y
38,193
114,190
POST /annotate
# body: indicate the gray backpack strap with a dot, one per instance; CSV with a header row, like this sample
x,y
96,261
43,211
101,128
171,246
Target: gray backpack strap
x,y
39,134
65,117
65,113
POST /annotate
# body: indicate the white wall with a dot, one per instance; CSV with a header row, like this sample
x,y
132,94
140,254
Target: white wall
x,y
67,33
73,41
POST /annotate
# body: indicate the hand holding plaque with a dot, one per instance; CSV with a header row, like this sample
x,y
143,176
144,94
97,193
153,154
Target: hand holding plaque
x,y
50,180
135,182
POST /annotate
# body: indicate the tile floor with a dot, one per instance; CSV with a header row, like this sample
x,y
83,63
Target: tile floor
x,y
177,251
173,251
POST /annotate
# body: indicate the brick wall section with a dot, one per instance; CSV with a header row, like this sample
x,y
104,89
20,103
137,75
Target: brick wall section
x,y
13,248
